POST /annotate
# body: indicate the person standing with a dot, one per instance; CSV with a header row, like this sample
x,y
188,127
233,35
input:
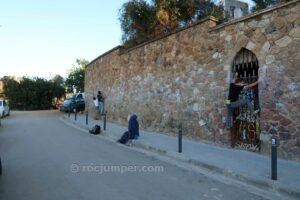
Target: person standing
x,y
100,99
235,88
96,105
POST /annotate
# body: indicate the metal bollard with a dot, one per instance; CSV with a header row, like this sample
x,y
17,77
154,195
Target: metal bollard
x,y
87,117
104,122
180,138
75,115
103,111
274,158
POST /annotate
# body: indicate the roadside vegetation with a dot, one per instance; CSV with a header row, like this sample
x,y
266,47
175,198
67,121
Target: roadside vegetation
x,y
35,93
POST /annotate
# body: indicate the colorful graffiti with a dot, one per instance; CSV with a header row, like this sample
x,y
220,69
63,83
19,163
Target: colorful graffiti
x,y
247,124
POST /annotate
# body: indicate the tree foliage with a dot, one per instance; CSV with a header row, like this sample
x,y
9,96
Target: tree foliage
x,y
262,4
75,79
137,21
141,21
206,8
38,93
31,93
58,89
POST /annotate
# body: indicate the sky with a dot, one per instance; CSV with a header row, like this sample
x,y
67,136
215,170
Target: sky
x,y
45,37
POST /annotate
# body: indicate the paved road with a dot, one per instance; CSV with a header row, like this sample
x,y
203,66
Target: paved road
x,y
46,159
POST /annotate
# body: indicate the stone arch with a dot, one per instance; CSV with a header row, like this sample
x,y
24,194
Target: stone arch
x,y
237,51
246,64
246,126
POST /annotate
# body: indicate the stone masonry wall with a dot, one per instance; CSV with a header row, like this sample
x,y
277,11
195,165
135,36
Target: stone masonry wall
x,y
184,77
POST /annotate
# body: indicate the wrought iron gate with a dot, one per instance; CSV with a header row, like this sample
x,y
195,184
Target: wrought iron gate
x,y
245,131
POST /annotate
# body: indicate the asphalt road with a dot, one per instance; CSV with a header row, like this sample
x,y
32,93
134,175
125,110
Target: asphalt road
x,y
43,158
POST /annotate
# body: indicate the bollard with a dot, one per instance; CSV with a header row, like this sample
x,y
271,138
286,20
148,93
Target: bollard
x,y
103,111
69,112
274,158
75,115
104,122
87,118
180,138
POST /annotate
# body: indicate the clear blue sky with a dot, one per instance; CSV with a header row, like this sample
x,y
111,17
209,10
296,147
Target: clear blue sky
x,y
45,37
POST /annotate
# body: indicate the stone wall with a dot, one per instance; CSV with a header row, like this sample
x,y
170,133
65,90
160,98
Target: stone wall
x,y
184,77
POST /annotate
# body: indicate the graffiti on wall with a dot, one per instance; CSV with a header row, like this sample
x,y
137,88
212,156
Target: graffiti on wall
x,y
247,124
245,133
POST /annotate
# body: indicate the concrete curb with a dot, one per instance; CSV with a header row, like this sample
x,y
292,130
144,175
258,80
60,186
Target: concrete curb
x,y
268,185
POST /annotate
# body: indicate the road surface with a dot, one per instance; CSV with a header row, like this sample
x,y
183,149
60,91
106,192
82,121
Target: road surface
x,y
43,158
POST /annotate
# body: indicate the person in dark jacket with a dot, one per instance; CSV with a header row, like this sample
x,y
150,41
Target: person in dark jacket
x,y
101,99
233,101
133,127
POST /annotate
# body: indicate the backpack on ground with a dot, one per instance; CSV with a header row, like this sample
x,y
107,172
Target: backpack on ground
x,y
124,138
95,130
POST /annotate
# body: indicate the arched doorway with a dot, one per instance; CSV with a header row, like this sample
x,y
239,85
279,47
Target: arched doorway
x,y
246,130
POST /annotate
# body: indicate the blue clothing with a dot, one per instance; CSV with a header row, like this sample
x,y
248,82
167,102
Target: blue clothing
x,y
101,107
133,127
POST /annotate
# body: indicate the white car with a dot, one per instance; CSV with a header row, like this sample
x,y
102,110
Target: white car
x,y
4,109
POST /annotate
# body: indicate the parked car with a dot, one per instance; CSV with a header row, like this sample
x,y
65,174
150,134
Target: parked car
x,y
73,103
4,111
4,108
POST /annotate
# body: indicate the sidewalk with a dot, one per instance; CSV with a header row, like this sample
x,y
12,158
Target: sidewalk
x,y
248,167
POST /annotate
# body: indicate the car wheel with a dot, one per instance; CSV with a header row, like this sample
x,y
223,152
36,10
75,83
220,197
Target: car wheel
x,y
3,114
8,113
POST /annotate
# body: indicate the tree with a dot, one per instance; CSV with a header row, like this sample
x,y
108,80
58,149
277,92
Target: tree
x,y
262,4
141,21
58,89
75,79
4,81
58,79
204,8
137,22
10,89
170,14
31,93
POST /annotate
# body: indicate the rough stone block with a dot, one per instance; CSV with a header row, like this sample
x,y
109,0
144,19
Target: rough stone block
x,y
250,45
283,42
270,59
266,46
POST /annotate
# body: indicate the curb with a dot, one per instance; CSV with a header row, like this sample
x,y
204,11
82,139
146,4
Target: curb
x,y
268,185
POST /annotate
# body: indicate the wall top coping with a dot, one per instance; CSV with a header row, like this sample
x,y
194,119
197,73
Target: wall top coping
x,y
102,55
201,21
258,13
123,50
